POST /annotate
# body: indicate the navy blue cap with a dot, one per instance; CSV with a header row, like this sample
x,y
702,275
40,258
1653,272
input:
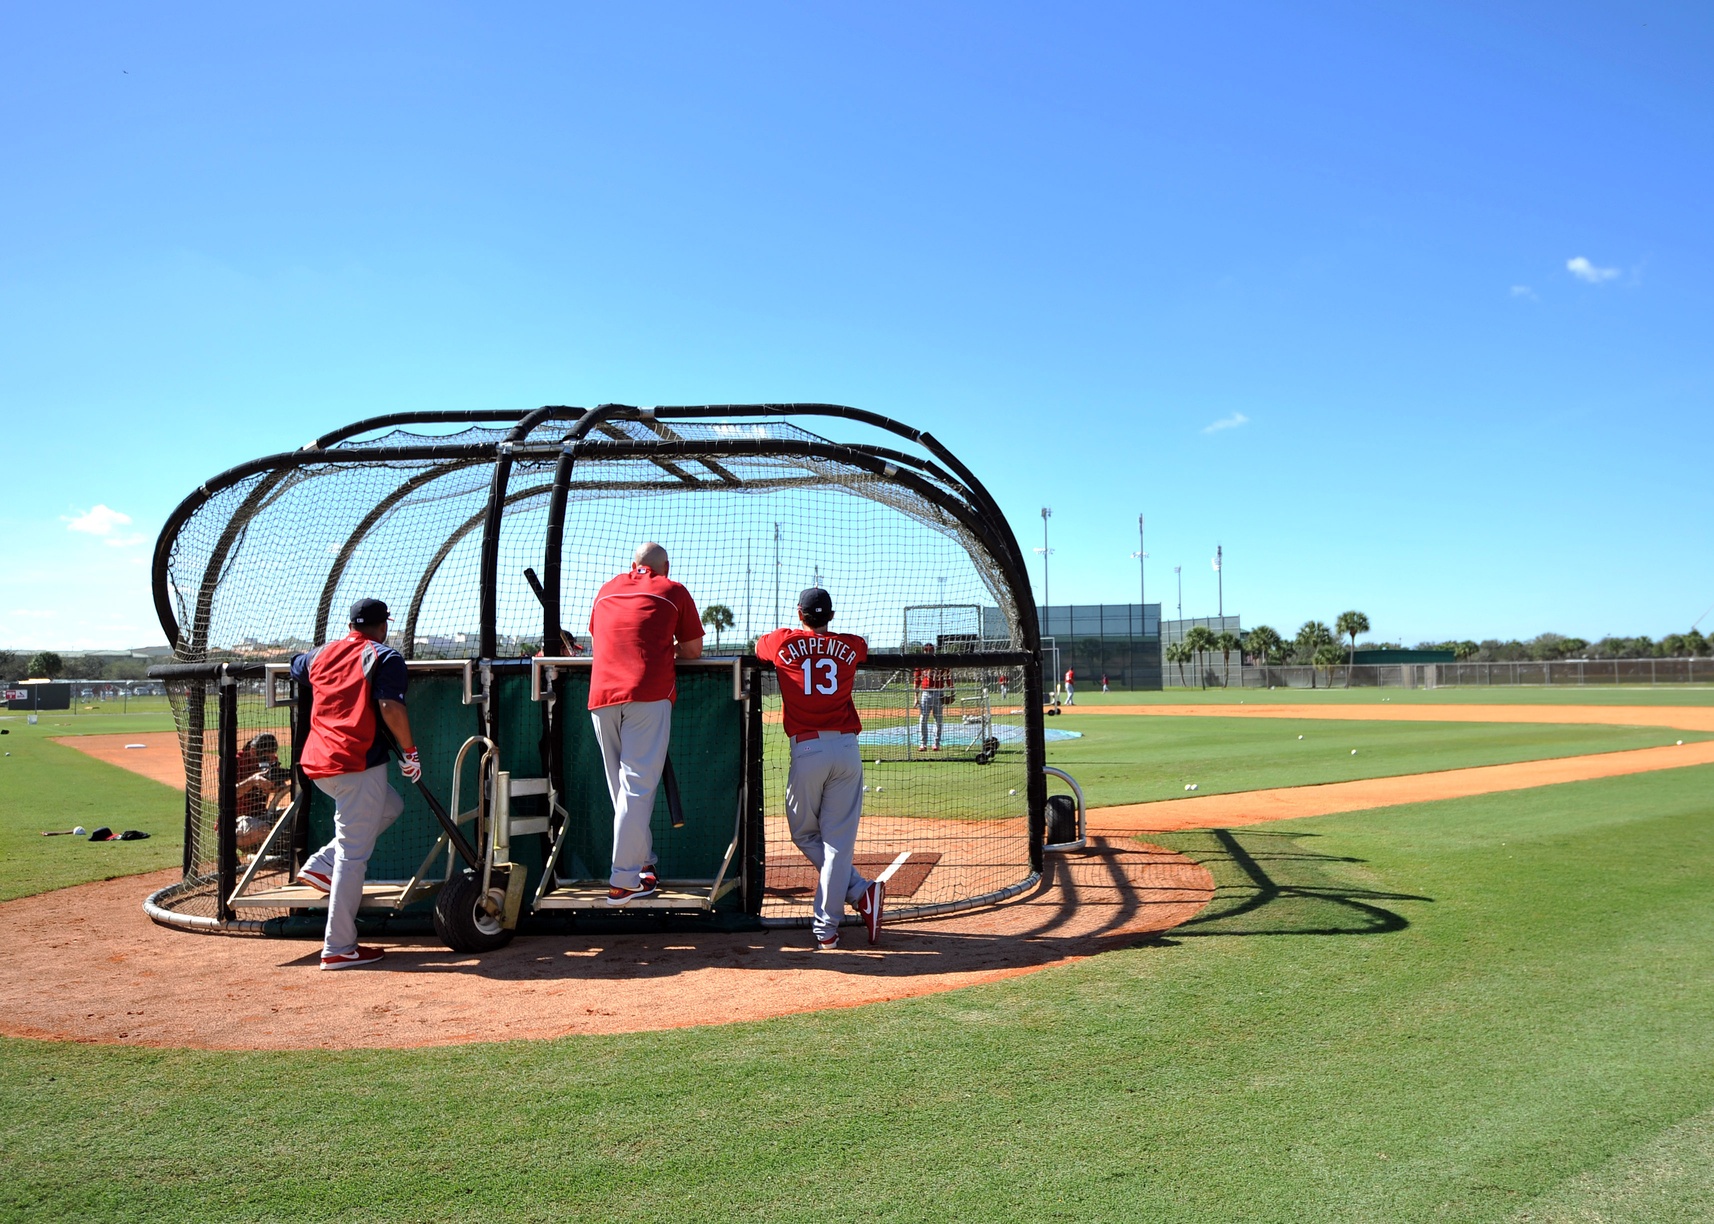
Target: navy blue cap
x,y
815,603
368,612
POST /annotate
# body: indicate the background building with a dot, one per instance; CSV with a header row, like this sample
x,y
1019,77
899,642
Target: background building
x,y
1120,641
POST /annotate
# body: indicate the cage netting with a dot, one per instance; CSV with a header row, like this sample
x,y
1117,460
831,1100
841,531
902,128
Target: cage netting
x,y
263,563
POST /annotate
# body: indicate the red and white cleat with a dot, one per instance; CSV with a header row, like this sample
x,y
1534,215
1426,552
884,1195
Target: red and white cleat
x,y
869,908
351,960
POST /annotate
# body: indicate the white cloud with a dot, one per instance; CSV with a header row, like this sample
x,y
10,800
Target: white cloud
x,y
1231,422
1524,291
97,521
104,522
1583,270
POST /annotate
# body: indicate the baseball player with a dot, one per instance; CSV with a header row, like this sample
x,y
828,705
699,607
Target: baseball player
x,y
824,789
1103,682
1070,688
639,624
931,684
354,681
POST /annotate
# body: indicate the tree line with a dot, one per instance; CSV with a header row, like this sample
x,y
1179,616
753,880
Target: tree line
x,y
1317,645
1551,647
16,666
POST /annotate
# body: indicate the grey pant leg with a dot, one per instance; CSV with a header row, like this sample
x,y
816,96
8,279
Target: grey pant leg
x,y
633,738
930,705
824,803
364,805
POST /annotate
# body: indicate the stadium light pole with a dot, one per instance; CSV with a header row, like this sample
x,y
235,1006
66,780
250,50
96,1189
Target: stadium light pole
x,y
1045,551
1178,572
1142,581
1220,579
776,573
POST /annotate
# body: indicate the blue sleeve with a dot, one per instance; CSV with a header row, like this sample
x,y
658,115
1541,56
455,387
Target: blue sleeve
x,y
300,666
390,676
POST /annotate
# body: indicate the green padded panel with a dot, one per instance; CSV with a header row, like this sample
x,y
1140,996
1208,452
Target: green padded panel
x,y
707,752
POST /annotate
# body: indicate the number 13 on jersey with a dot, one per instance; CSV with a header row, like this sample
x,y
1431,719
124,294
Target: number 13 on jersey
x,y
828,681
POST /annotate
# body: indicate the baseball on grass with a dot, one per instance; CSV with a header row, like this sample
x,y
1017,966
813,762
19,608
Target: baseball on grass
x,y
1353,752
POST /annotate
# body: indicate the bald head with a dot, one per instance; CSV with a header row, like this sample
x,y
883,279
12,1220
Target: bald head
x,y
653,556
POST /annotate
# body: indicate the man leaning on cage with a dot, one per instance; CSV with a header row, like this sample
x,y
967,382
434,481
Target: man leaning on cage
x,y
639,624
357,684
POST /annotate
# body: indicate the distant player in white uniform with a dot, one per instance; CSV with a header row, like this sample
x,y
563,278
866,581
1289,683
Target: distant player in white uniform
x,y
824,789
1103,682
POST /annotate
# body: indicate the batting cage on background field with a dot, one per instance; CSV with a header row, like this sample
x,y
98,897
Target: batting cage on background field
x,y
488,534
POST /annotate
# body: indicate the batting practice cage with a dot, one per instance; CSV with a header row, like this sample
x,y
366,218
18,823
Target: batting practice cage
x,y
488,534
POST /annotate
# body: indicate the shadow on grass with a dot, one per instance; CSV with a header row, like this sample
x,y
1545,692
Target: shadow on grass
x,y
1265,884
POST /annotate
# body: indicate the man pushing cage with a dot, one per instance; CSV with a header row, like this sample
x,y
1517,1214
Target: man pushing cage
x,y
491,546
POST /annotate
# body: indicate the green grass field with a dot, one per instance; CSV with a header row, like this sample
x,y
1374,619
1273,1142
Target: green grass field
x,y
1491,1009
1134,760
1594,694
44,785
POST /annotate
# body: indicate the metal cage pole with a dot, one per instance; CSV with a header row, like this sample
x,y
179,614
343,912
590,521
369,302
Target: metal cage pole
x,y
226,819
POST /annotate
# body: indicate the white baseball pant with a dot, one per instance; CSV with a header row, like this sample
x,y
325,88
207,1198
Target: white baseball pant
x,y
633,737
824,801
363,806
930,705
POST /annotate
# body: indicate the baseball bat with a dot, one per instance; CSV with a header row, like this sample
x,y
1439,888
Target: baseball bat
x,y
669,783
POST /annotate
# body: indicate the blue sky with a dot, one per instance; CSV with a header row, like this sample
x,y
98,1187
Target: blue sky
x,y
1407,306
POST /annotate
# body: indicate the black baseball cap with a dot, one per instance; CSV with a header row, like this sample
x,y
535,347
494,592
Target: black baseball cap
x,y
368,612
815,603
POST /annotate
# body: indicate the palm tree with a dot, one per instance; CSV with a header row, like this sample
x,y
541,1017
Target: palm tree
x,y
1178,652
1465,650
1264,643
1311,637
1350,624
1329,655
1226,642
1200,640
718,617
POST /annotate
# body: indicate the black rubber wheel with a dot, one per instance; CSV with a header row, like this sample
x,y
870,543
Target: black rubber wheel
x,y
989,750
463,922
1061,820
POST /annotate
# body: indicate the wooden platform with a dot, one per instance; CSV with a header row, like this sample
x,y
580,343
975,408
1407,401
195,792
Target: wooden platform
x,y
673,895
377,894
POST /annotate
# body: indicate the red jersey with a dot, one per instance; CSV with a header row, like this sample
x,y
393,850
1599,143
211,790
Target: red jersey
x,y
347,677
816,673
633,625
932,678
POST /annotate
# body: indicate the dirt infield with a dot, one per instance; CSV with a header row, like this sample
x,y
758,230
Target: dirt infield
x,y
158,758
100,971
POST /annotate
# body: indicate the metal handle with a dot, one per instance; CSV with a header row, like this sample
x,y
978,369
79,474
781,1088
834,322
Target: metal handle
x,y
1082,814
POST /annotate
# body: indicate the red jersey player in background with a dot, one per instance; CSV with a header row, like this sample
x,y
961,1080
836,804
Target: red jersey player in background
x,y
824,790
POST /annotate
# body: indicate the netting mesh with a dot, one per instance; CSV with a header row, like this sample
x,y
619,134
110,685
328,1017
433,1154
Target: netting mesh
x,y
196,711
269,566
